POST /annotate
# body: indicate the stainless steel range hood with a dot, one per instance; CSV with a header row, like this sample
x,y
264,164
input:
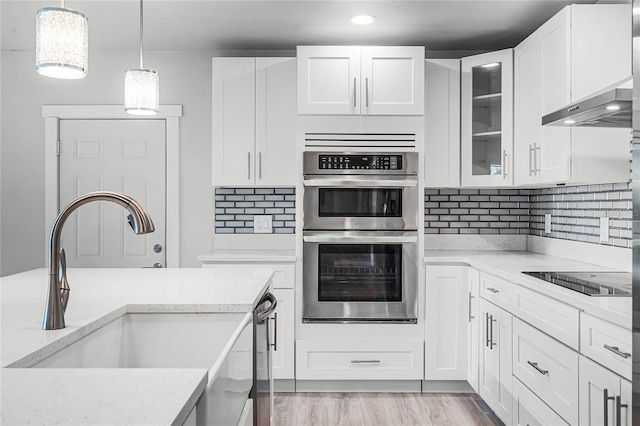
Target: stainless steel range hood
x,y
608,109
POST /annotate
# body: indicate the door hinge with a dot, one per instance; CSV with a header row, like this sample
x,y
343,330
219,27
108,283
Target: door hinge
x,y
58,148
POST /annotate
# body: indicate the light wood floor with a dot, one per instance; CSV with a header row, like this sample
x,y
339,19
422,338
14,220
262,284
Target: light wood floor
x,y
381,409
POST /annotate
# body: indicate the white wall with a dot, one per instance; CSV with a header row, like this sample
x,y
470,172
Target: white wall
x,y
185,78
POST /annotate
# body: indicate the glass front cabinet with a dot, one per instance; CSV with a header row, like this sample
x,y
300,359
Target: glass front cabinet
x,y
487,119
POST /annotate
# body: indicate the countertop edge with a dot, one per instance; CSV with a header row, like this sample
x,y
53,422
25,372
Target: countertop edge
x,y
563,295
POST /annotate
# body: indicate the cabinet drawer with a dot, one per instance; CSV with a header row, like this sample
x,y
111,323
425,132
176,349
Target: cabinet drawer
x,y
348,360
497,290
548,368
547,314
529,410
606,343
284,276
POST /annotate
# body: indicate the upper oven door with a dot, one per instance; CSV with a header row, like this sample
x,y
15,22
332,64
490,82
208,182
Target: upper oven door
x,y
358,202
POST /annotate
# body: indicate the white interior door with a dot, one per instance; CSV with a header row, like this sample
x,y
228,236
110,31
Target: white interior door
x,y
126,156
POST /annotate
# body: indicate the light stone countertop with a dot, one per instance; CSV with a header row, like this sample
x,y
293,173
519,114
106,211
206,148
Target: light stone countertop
x,y
137,396
248,255
97,297
509,265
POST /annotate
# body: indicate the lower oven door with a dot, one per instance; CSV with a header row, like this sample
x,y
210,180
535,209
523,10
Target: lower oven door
x,y
360,276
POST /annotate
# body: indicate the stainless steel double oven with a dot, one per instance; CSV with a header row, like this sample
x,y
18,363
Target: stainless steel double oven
x,y
360,237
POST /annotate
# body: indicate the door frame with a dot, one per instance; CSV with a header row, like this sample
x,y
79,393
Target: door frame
x,y
171,114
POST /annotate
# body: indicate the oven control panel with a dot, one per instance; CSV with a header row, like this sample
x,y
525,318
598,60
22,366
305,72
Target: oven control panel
x,y
370,162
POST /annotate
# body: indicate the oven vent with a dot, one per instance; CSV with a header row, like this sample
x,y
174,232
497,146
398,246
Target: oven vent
x,y
364,140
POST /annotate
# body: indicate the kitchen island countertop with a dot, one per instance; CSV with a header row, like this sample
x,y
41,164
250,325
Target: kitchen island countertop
x,y
97,297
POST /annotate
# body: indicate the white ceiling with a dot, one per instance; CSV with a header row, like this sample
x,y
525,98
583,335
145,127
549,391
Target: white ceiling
x,y
281,25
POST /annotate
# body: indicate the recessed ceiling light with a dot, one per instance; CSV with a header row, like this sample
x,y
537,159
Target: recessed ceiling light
x,y
569,122
613,107
362,19
491,65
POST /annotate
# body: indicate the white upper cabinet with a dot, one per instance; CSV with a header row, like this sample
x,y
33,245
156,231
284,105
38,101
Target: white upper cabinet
x,y
442,123
541,153
600,48
254,113
580,51
487,119
353,80
585,49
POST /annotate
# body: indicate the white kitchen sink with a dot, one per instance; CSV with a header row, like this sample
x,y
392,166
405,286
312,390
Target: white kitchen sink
x,y
222,343
151,340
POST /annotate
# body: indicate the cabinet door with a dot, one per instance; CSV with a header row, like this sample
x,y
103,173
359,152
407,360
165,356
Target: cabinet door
x,y
623,407
233,121
527,63
275,121
600,48
595,380
442,123
554,38
473,329
487,119
487,376
541,153
392,80
328,80
283,351
446,323
502,341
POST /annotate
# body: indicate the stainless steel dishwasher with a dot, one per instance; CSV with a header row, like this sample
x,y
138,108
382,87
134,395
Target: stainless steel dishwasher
x,y
262,391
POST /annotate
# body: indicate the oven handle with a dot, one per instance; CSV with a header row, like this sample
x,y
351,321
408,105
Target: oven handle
x,y
359,239
361,183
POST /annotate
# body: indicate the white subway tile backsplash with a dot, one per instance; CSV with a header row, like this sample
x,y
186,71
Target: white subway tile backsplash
x,y
235,208
575,211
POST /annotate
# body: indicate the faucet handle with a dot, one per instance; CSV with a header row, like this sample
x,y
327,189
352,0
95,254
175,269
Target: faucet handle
x,y
64,283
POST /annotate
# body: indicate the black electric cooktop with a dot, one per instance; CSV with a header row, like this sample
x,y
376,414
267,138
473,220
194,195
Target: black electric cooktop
x,y
589,283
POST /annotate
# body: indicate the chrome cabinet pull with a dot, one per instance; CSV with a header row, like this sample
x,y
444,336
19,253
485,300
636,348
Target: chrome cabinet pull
x,y
486,323
530,161
259,164
617,351
491,326
493,290
470,316
540,370
536,167
366,91
607,398
275,332
365,361
619,407
354,92
248,165
504,164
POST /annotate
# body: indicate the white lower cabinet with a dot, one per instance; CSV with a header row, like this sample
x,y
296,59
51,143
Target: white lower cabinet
x,y
605,397
550,315
284,317
606,343
529,410
359,360
473,328
283,351
548,368
495,370
447,316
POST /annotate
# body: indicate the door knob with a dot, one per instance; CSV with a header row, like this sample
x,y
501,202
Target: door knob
x,y
157,248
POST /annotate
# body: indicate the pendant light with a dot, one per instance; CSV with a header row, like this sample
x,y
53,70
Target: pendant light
x,y
141,86
62,43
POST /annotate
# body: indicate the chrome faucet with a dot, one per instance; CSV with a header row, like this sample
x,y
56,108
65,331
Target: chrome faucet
x,y
58,286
